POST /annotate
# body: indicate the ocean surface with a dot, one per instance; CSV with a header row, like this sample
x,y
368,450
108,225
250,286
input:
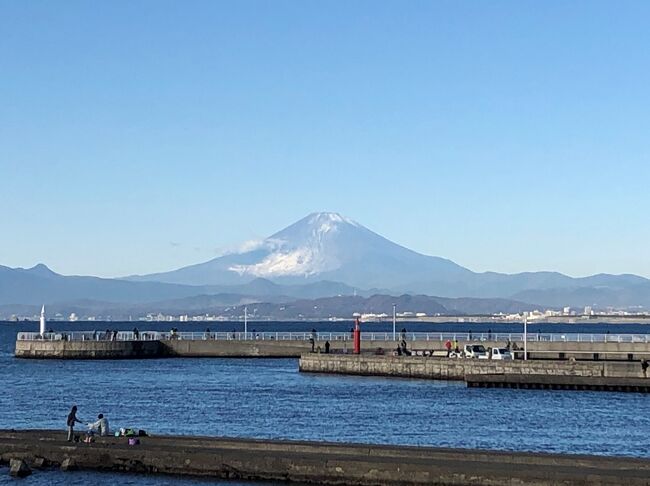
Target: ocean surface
x,y
271,399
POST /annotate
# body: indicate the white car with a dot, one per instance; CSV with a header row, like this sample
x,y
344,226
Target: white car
x,y
475,351
500,353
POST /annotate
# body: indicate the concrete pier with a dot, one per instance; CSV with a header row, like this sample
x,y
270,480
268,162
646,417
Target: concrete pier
x,y
294,348
320,462
90,349
594,375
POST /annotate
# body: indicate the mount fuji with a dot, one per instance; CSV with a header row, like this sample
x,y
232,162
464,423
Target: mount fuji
x,y
322,255
321,246
330,247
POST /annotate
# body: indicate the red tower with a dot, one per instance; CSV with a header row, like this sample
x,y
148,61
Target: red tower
x,y
357,337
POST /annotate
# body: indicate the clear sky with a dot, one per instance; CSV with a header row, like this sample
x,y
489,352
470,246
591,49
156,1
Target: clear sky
x,y
141,136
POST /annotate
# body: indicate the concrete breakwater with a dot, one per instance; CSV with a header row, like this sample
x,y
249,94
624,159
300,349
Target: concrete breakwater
x,y
161,349
320,462
294,348
570,375
456,369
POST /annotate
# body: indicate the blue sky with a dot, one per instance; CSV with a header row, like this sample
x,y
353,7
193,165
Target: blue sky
x,y
142,136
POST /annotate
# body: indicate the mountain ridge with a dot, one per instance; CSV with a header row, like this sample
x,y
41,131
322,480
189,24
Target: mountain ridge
x,y
326,255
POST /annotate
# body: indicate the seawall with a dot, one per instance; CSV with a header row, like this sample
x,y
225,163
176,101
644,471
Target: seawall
x,y
89,349
320,462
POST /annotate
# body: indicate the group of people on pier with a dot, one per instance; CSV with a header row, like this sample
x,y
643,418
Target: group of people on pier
x,y
100,425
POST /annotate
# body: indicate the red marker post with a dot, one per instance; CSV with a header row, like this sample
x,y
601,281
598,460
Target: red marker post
x,y
356,335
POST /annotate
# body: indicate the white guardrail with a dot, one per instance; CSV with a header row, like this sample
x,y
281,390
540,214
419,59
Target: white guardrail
x,y
331,336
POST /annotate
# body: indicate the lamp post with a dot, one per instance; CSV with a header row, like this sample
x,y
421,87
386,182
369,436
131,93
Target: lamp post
x,y
394,322
245,322
525,337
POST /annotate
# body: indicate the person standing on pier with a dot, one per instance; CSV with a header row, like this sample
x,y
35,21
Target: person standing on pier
x,y
448,346
72,419
312,339
644,367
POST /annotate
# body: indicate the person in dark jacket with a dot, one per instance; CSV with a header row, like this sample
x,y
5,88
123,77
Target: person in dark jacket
x,y
72,419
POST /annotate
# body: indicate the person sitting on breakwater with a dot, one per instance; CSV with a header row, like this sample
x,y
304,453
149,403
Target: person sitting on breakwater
x,y
644,367
101,425
72,419
404,350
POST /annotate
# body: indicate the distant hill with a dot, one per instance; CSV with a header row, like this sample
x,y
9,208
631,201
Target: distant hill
x,y
40,285
381,304
279,307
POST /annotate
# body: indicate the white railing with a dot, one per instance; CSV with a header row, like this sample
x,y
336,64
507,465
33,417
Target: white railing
x,y
497,337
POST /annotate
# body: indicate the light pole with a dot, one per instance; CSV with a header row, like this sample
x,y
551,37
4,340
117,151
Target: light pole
x,y
245,322
394,322
525,337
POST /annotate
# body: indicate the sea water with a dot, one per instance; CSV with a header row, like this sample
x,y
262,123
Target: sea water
x,y
269,398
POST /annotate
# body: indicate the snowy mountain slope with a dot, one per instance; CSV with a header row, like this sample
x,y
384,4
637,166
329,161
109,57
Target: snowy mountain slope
x,y
321,246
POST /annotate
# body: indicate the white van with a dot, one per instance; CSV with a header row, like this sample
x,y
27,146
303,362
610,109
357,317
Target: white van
x,y
475,351
500,353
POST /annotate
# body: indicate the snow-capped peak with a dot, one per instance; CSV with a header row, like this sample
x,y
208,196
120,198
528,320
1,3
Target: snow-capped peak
x,y
332,218
305,248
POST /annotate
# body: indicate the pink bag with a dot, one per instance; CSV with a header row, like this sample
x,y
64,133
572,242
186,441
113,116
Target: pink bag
x,y
134,441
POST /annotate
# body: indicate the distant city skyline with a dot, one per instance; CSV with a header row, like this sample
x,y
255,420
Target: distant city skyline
x,y
138,137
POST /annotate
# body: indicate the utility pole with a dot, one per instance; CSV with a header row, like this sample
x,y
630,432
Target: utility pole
x,y
394,322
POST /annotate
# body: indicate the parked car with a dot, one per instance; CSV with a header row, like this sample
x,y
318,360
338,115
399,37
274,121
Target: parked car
x,y
475,351
500,353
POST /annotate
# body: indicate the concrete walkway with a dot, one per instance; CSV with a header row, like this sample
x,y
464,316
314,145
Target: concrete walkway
x,y
322,463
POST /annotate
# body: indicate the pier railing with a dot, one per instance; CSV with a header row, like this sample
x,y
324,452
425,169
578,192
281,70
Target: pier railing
x,y
332,336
